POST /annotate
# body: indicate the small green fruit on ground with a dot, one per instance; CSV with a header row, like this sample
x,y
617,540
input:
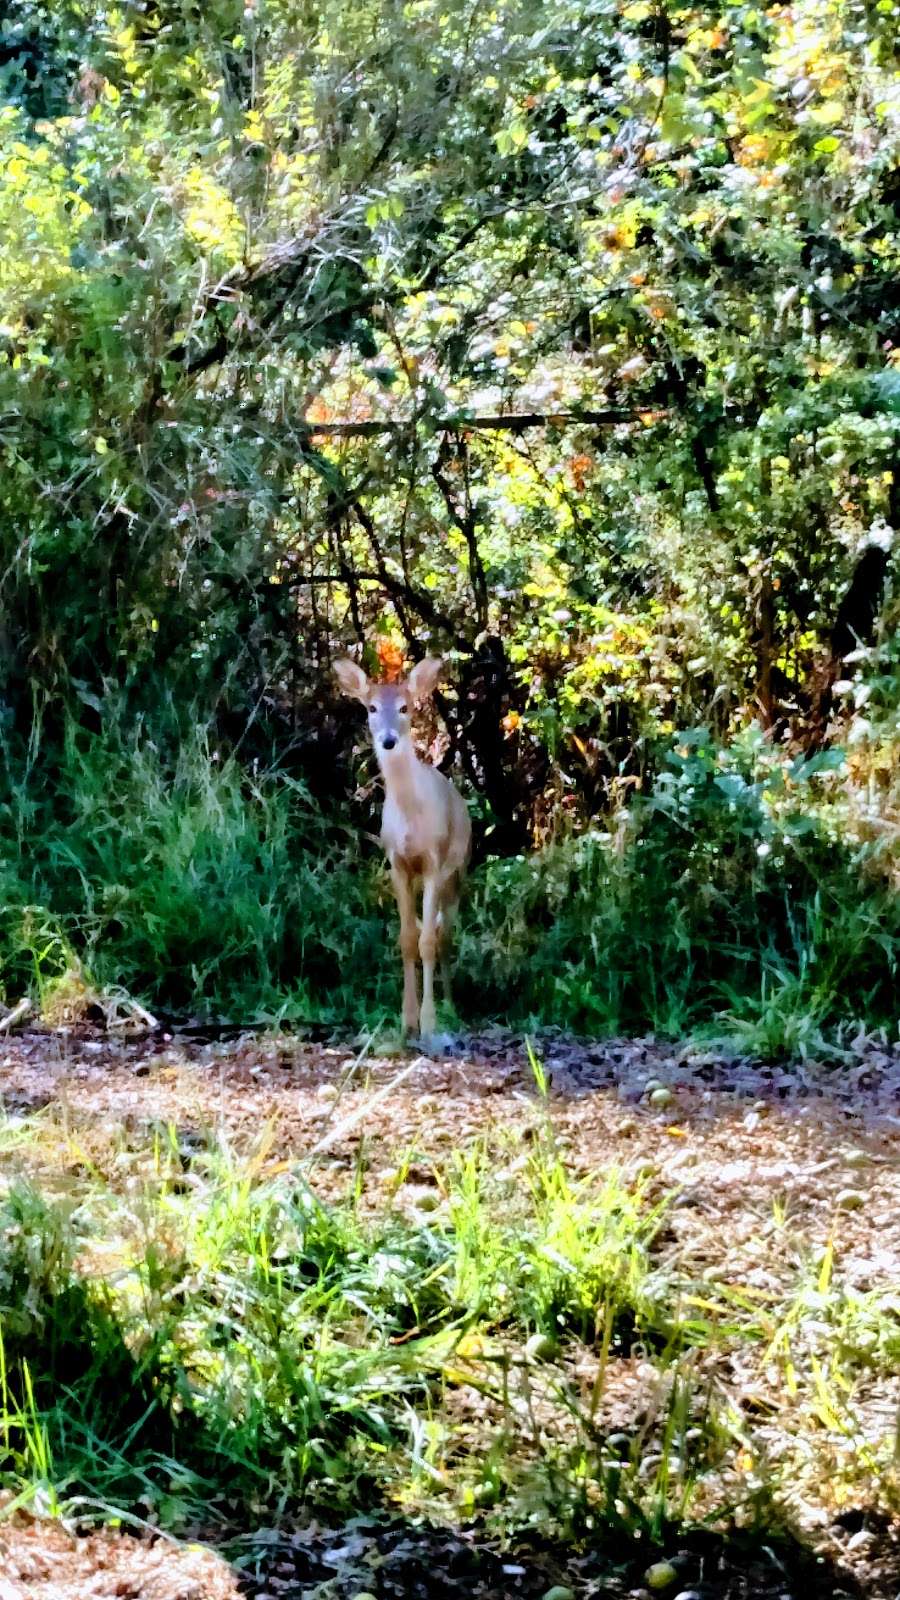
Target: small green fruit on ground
x,y
541,1347
661,1575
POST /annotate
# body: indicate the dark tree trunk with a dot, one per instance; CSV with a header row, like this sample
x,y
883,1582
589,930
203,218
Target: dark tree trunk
x,y
854,625
485,694
765,653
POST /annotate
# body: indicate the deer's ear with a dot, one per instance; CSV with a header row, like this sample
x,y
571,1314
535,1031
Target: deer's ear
x,y
352,679
424,678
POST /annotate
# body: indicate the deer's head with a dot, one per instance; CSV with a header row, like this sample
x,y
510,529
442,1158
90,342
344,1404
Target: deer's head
x,y
389,705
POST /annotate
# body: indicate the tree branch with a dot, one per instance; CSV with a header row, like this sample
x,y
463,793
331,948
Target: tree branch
x,y
511,422
402,591
465,521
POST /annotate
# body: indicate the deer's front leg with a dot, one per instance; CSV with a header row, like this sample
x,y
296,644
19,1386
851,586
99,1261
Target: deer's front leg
x,y
409,946
428,943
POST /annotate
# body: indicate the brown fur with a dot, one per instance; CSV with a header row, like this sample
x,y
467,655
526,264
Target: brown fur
x,y
425,831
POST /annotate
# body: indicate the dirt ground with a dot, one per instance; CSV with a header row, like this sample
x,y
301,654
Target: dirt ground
x,y
737,1144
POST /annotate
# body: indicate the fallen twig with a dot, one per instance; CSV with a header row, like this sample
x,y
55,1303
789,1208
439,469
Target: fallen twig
x,y
364,1110
19,1012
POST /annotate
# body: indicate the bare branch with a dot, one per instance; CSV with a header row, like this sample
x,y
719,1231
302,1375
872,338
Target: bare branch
x,y
511,422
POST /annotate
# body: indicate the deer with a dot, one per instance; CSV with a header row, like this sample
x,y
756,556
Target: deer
x,y
426,833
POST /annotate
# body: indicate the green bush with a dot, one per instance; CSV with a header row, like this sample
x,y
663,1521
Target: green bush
x,y
727,898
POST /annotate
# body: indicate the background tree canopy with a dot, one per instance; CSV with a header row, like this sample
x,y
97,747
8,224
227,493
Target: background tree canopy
x,y
563,341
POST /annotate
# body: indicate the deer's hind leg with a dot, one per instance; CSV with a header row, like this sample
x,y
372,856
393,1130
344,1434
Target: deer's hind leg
x,y
428,947
449,909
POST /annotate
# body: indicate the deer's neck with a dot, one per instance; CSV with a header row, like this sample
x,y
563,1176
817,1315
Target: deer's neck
x,y
400,769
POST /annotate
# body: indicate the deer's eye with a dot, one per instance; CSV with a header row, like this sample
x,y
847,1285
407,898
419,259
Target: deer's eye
x,y
373,709
403,711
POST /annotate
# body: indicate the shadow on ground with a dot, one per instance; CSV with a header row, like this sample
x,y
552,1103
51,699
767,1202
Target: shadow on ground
x,y
422,1563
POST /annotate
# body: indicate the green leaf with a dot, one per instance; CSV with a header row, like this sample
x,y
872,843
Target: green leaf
x,y
511,139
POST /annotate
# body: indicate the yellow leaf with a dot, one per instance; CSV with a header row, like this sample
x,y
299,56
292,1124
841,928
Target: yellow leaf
x,y
471,1346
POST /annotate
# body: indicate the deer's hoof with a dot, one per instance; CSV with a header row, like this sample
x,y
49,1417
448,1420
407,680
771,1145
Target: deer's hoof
x,y
437,1044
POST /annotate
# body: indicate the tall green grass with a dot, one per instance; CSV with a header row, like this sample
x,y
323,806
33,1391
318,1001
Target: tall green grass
x,y
727,900
187,880
217,1337
195,1337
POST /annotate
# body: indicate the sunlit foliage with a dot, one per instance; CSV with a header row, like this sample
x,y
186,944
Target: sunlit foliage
x,y
271,273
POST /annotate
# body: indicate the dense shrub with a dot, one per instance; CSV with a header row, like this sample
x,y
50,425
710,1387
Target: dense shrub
x,y
732,895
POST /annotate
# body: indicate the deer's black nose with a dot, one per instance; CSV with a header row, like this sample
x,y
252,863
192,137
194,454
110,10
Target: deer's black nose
x,y
389,742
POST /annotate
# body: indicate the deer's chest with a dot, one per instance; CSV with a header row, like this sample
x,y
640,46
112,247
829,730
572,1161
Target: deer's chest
x,y
407,837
